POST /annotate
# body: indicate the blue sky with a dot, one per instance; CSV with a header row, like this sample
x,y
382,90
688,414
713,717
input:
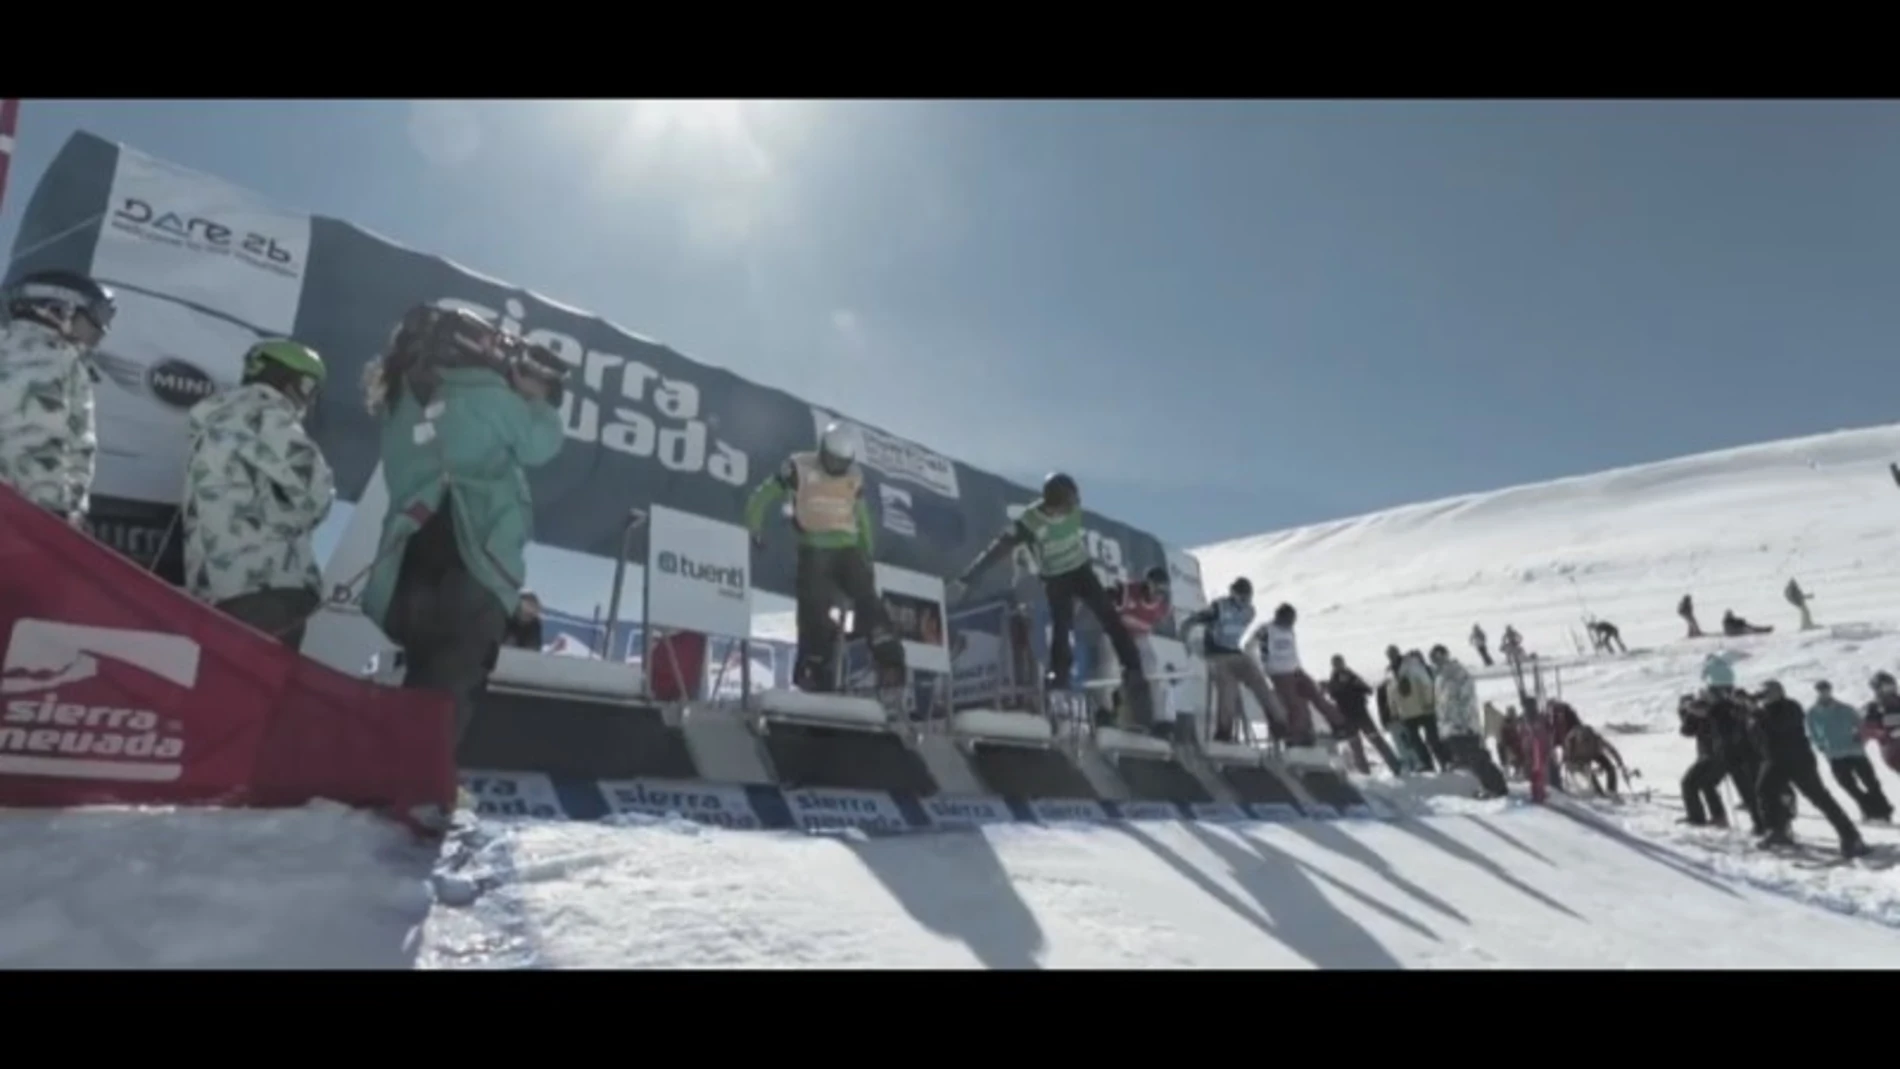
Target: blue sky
x,y
1224,318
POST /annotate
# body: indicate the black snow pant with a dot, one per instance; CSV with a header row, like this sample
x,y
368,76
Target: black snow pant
x,y
1485,656
1423,731
825,574
279,612
1803,776
1856,777
1359,723
1467,751
449,625
1746,775
1082,584
1702,792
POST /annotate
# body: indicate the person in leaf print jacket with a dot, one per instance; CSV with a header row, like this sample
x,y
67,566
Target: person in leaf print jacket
x,y
256,487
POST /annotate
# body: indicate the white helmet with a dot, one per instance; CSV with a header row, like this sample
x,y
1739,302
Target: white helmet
x,y
837,447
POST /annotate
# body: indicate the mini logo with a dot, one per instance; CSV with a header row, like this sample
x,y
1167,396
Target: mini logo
x,y
178,383
45,736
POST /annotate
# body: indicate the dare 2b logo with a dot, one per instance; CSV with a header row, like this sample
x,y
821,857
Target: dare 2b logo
x,y
144,219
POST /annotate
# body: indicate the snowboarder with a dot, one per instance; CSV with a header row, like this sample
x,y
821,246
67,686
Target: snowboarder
x,y
1224,626
1512,742
1299,695
835,553
48,438
465,409
1478,643
1350,695
1605,638
1686,609
1052,526
1409,689
1799,599
1586,752
256,487
1735,627
1881,723
1836,730
1780,728
1456,703
1142,605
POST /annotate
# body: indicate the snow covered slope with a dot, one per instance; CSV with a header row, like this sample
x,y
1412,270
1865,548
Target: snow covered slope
x,y
1730,527
1522,888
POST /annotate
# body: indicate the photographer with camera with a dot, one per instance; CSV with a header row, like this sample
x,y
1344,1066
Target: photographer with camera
x,y
466,409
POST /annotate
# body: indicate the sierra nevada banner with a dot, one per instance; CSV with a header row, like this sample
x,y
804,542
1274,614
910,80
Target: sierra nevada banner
x,y
203,268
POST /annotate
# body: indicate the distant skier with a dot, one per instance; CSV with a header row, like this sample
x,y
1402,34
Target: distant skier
x,y
1052,526
1605,638
1735,627
48,439
1456,702
835,554
1351,695
1799,599
1586,752
1478,643
1836,730
1513,648
1224,626
1781,733
1894,469
1686,609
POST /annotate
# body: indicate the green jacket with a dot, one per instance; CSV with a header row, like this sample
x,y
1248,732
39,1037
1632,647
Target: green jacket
x,y
784,483
484,435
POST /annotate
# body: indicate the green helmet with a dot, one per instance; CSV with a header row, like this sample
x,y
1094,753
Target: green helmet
x,y
290,355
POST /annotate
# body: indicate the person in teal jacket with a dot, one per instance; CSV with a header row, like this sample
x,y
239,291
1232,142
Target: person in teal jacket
x,y
466,410
1835,729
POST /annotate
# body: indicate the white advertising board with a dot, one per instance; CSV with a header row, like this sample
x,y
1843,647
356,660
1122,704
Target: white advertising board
x,y
914,602
203,269
698,574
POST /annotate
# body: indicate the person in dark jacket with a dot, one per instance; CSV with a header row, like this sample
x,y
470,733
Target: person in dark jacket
x,y
1717,724
1735,627
1686,609
1350,694
524,627
1781,732
1880,718
1606,638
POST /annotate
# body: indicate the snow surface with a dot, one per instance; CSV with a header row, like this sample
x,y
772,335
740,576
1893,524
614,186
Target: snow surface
x,y
1498,884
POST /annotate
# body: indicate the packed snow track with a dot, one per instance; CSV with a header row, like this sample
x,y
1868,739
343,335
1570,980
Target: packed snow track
x,y
1498,885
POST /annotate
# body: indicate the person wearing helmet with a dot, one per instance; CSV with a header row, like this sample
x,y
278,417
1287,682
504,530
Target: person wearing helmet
x,y
1051,527
48,442
1223,646
466,409
835,548
256,487
1143,603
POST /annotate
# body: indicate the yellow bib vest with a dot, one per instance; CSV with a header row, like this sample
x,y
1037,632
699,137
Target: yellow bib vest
x,y
825,503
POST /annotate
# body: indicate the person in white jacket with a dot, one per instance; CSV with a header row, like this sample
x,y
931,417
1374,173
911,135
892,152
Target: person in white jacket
x,y
1298,694
1459,723
48,438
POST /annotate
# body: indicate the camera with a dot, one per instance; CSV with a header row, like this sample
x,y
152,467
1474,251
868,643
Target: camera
x,y
432,337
